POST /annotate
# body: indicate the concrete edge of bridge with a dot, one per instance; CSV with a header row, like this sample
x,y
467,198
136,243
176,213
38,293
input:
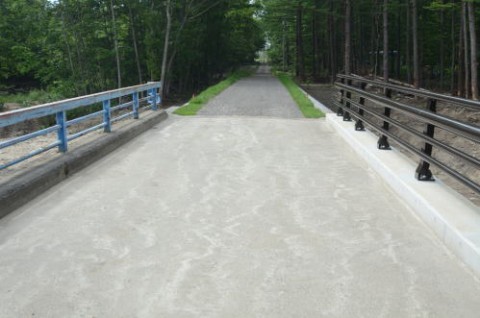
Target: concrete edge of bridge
x,y
454,219
36,181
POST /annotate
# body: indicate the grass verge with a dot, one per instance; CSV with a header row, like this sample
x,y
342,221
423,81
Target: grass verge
x,y
305,105
197,102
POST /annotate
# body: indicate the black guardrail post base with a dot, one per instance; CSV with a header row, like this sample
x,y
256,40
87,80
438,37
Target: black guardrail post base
x,y
359,126
346,116
383,143
423,172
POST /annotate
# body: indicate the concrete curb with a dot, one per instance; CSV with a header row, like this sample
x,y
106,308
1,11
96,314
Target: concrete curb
x,y
31,184
453,218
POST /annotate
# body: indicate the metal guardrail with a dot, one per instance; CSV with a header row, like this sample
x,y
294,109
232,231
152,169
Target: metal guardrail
x,y
352,103
59,110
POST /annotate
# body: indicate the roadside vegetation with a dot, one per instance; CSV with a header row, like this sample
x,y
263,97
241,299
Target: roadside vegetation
x,y
31,98
305,105
83,47
197,102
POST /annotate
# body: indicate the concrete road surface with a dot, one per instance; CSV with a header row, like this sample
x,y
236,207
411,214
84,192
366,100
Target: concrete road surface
x,y
222,217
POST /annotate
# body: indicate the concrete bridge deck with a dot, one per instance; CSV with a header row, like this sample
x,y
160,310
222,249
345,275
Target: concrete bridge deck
x,y
228,217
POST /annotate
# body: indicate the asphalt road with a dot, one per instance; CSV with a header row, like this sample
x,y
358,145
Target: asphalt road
x,y
228,217
258,95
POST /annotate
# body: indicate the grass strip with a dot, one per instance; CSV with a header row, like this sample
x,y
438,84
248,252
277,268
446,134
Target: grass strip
x,y
197,102
305,104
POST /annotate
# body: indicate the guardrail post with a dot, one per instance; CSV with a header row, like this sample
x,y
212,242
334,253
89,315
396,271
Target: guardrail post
x,y
153,94
107,116
342,94
135,105
383,143
346,113
62,132
423,172
359,124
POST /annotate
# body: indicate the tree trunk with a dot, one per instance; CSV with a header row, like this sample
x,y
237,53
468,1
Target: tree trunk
x,y
165,48
316,55
376,23
416,57
300,57
442,49
348,39
465,51
461,59
115,41
331,37
135,46
284,45
452,63
69,53
408,45
398,44
385,41
473,50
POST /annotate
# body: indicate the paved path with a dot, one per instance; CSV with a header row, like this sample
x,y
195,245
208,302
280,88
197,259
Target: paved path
x,y
258,95
228,217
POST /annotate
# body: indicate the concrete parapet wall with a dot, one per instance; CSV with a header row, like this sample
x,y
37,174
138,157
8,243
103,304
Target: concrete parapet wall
x,y
34,182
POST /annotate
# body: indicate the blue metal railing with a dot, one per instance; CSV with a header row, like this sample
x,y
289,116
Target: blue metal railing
x,y
59,110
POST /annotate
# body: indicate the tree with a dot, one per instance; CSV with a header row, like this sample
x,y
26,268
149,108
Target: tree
x,y
416,57
348,40
115,41
473,48
166,45
84,46
385,41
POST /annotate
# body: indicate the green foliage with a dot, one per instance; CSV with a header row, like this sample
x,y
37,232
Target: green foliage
x,y
67,46
305,105
439,5
322,31
197,102
33,97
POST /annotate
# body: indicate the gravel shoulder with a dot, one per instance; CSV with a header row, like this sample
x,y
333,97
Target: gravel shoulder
x,y
259,95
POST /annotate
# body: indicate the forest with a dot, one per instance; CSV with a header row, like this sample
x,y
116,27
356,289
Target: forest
x,y
76,47
426,43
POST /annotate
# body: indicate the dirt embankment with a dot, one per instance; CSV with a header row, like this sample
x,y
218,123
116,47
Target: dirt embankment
x,y
327,93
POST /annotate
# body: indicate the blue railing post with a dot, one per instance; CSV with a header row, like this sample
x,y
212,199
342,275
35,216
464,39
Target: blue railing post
x,y
107,116
60,109
153,93
62,131
135,105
